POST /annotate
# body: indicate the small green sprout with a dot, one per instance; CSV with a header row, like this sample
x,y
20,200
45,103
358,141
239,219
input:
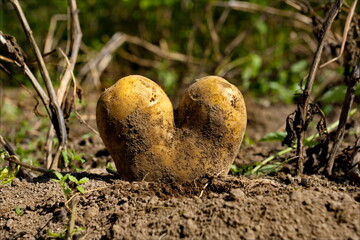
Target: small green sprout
x,y
18,211
64,179
7,174
70,155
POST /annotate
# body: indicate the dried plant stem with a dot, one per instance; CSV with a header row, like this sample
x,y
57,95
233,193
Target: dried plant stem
x,y
76,36
7,145
15,159
310,81
50,37
289,149
349,98
345,34
57,119
253,7
96,66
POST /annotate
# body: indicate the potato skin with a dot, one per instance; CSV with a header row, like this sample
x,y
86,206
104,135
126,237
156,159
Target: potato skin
x,y
214,111
135,119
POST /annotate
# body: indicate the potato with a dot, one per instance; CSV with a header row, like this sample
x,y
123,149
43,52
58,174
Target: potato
x,y
212,115
135,119
136,123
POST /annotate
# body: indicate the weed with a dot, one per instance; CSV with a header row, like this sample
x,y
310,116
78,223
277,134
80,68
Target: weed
x,y
66,181
65,186
62,234
264,168
70,155
7,174
242,169
18,211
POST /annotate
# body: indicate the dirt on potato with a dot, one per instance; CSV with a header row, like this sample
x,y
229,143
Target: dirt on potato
x,y
148,140
276,207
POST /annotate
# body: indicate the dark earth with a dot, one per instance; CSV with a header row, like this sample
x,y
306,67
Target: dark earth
x,y
280,206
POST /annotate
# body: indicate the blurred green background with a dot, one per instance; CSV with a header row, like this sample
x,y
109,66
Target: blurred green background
x,y
265,55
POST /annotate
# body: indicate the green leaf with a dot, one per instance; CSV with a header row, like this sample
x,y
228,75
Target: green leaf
x,y
261,27
10,176
56,235
67,191
274,136
299,66
274,167
337,94
65,156
73,179
334,95
80,189
4,173
66,177
110,166
78,157
18,211
59,175
80,229
242,169
83,180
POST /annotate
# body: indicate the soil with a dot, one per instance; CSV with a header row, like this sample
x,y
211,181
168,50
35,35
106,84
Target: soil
x,y
232,207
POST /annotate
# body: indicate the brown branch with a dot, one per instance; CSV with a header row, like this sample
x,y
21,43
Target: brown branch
x,y
96,65
159,51
349,98
310,81
215,39
49,40
253,7
57,119
10,45
76,36
345,34
7,145
139,61
224,15
15,159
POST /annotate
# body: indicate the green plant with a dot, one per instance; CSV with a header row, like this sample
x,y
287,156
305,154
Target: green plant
x,y
7,174
63,233
64,183
70,186
264,167
242,169
70,155
60,235
18,211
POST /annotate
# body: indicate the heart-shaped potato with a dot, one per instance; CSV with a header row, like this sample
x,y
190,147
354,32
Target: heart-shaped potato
x,y
135,119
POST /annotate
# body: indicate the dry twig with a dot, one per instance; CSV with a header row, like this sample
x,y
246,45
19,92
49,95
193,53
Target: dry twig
x,y
57,119
310,81
49,40
94,68
345,34
76,36
253,7
353,80
15,159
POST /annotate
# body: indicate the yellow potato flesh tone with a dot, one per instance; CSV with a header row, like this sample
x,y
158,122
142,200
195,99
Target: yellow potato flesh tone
x,y
136,121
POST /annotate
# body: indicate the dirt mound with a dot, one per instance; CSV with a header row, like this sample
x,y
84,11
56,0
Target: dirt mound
x,y
223,208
